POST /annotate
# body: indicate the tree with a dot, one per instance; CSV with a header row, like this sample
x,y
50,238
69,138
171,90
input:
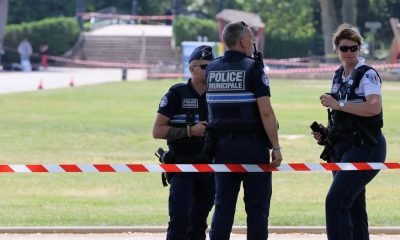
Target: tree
x,y
3,21
329,23
349,11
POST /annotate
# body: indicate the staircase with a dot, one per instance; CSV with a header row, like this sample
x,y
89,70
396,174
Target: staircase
x,y
126,48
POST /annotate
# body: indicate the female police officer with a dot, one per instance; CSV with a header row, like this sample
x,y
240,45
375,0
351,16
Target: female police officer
x,y
354,133
181,120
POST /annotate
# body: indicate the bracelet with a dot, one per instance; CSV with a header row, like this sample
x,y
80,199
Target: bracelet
x,y
278,148
188,131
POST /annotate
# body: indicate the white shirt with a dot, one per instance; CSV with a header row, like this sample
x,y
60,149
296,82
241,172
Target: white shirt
x,y
369,83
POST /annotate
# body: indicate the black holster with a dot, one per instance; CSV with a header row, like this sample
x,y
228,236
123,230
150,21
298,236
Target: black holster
x,y
207,153
165,157
327,153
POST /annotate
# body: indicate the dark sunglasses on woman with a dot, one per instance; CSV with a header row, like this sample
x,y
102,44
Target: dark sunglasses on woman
x,y
347,48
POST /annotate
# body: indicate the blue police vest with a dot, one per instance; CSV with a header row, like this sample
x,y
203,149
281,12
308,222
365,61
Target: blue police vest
x,y
191,110
231,104
346,122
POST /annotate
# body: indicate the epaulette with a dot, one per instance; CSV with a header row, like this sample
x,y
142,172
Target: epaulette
x,y
178,85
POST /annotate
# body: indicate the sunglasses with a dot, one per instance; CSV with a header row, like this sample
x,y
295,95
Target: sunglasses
x,y
347,48
202,66
244,25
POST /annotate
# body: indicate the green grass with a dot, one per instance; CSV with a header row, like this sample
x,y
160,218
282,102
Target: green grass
x,y
112,123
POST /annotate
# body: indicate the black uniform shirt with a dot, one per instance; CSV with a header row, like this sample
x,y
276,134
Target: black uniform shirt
x,y
176,107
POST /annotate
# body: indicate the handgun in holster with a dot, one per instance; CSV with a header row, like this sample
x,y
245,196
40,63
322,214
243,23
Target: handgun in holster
x,y
165,157
207,153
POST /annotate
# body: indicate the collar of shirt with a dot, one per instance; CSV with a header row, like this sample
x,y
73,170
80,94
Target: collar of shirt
x,y
190,85
232,55
361,62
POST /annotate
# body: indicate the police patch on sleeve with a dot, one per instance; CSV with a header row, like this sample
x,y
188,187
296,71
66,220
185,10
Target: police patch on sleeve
x,y
163,102
265,80
373,78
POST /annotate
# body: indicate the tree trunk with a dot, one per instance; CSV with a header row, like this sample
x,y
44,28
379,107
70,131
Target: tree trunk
x,y
329,23
3,21
349,11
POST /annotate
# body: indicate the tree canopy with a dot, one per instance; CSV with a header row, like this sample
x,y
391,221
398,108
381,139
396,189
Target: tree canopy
x,y
285,20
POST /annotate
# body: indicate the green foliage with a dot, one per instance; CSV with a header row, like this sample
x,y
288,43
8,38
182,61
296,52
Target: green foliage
x,y
59,33
380,11
27,11
24,11
289,27
189,28
294,25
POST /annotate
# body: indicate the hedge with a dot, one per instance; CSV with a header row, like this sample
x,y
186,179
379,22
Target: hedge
x,y
189,28
60,34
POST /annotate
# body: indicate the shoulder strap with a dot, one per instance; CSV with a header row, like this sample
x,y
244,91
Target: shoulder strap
x,y
358,74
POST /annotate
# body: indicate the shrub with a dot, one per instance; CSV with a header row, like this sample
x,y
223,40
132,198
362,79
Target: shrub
x,y
60,34
189,28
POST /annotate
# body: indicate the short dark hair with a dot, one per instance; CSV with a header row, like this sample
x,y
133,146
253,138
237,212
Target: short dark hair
x,y
233,32
346,31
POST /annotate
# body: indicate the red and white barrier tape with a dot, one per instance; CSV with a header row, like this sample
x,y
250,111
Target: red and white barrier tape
x,y
169,75
100,63
129,168
165,75
326,69
285,62
89,15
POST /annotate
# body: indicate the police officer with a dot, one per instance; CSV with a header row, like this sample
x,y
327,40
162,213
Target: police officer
x,y
354,131
181,120
239,108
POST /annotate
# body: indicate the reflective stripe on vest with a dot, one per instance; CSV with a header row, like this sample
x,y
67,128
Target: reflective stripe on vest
x,y
181,118
230,97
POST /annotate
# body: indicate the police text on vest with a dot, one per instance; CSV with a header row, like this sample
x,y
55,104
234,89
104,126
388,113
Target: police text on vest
x,y
226,80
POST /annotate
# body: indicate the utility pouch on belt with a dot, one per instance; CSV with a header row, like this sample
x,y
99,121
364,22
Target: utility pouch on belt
x,y
165,157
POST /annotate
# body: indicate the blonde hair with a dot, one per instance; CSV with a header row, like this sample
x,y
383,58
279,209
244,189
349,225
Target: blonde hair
x,y
346,31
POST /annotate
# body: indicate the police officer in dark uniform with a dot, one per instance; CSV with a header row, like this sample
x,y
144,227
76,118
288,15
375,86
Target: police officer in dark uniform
x,y
240,112
181,120
353,135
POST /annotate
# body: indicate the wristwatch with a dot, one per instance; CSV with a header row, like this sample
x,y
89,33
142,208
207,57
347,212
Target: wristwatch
x,y
341,104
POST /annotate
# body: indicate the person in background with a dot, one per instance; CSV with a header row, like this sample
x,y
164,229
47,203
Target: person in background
x,y
43,55
25,52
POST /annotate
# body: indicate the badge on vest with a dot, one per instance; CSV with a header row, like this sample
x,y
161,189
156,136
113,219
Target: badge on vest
x,y
226,80
265,80
335,88
190,103
164,102
374,79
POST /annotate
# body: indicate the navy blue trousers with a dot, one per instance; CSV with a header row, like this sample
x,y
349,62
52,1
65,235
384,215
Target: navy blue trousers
x,y
191,198
345,206
257,187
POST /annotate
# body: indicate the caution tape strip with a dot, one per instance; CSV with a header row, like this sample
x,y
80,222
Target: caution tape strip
x,y
240,168
88,15
101,63
327,69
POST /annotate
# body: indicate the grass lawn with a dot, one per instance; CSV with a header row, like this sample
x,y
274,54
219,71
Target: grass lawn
x,y
112,123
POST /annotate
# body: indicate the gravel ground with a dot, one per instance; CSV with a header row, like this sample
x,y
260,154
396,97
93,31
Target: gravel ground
x,y
150,236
